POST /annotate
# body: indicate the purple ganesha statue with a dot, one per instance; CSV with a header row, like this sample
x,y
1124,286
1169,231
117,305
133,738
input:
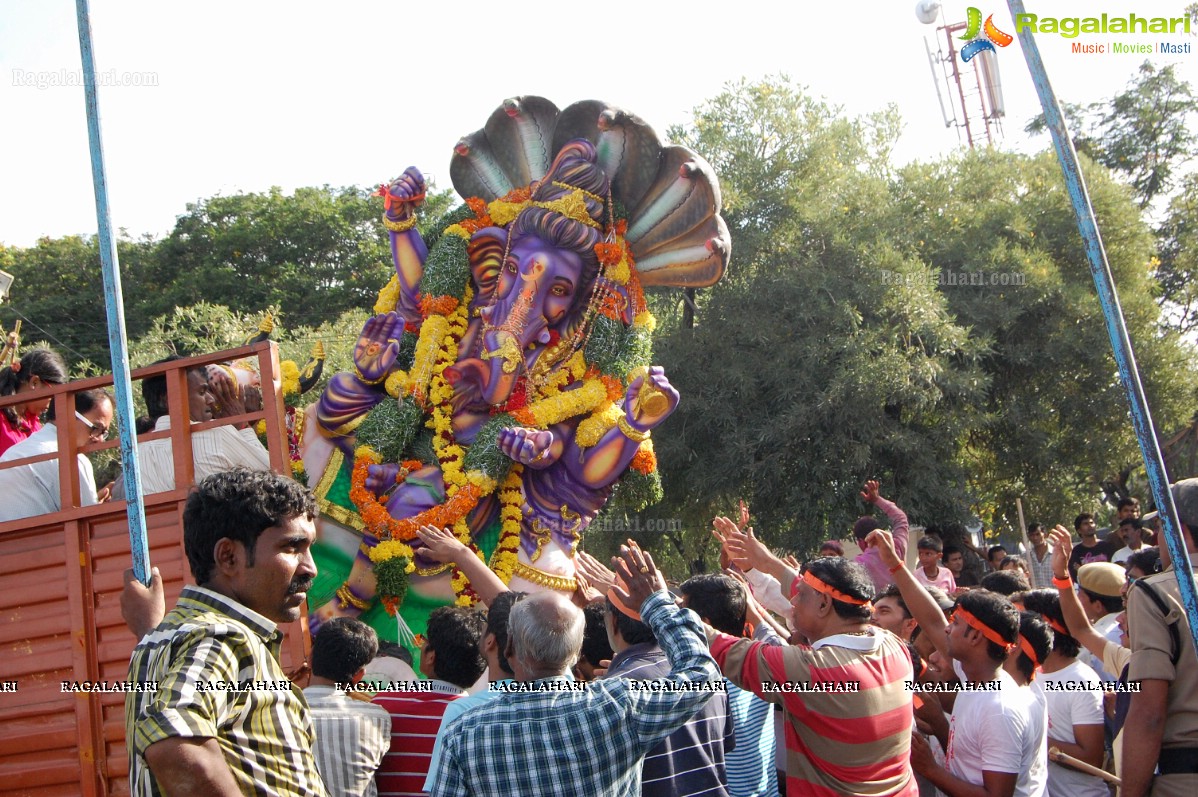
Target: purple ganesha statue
x,y
504,385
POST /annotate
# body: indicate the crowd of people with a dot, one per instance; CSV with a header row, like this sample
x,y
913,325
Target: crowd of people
x,y
30,429
1065,669
874,679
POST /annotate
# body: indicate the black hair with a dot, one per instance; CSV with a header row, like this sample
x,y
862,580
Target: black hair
x,y
453,633
996,613
1035,527
239,504
719,599
395,651
153,390
1129,501
917,664
85,401
1146,560
45,364
949,550
1048,603
595,647
991,551
847,577
633,632
341,647
929,543
1039,635
892,591
1134,522
497,615
1080,519
1110,603
1005,582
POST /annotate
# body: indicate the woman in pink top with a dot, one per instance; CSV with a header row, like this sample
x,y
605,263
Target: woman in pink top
x,y
38,368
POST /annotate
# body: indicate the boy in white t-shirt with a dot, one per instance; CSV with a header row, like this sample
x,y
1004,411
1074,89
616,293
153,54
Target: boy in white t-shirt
x,y
997,734
1072,692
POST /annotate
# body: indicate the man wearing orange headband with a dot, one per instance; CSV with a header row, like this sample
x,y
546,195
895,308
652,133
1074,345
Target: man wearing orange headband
x,y
844,697
998,737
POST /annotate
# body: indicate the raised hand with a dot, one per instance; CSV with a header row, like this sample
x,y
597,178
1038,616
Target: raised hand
x,y
594,571
742,522
378,347
526,446
884,540
649,400
1062,547
869,493
404,194
640,575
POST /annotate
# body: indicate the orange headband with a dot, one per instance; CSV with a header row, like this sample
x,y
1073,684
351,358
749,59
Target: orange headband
x,y
1028,651
1055,625
986,630
815,583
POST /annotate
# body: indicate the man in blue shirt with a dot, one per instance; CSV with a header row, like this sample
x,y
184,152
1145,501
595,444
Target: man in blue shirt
x,y
554,736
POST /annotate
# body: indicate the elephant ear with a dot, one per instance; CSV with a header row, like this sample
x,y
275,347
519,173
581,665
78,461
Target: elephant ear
x,y
485,251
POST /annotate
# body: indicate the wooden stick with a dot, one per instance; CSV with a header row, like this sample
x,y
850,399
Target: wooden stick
x,y
1081,766
1027,544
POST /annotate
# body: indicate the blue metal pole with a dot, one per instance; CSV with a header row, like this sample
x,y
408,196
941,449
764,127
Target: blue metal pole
x,y
116,307
1141,417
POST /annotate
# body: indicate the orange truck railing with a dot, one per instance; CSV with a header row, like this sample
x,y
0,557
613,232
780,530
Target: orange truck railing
x,y
61,577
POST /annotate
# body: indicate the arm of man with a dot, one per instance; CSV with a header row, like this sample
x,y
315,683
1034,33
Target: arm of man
x,y
900,528
748,552
1142,735
680,634
1075,616
185,767
1089,747
444,547
1001,750
919,601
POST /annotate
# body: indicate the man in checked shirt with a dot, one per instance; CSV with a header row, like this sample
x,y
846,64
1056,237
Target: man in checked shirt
x,y
225,720
555,736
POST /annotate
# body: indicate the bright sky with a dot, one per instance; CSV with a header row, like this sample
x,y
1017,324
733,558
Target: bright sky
x,y
253,94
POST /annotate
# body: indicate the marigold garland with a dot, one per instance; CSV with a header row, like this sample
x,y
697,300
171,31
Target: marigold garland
x,y
566,404
388,296
645,460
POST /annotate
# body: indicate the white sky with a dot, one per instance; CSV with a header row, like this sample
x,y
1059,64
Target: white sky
x,y
255,94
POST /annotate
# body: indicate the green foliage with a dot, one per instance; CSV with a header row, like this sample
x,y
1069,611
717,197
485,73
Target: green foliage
x,y
390,427
1144,133
447,268
616,349
435,229
484,454
311,256
391,576
1177,269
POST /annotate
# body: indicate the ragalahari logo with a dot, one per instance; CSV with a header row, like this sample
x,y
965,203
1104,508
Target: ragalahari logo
x,y
991,35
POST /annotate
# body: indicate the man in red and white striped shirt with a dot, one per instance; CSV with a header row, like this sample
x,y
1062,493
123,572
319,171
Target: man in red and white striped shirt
x,y
452,661
848,710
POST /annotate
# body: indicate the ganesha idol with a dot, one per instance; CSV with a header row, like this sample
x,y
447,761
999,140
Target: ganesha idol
x,y
504,387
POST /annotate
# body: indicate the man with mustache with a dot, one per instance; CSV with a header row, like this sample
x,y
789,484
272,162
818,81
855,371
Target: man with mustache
x,y
223,719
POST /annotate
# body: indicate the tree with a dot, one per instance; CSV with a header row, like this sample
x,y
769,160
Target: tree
x,y
826,356
1144,133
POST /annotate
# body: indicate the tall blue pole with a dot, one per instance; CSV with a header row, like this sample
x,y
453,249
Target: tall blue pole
x,y
1141,418
116,307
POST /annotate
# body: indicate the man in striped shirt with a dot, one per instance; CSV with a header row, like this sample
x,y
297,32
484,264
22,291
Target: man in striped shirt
x,y
452,662
720,601
224,720
352,734
847,707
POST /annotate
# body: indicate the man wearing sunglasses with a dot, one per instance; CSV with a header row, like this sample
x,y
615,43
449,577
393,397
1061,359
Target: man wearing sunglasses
x,y
33,489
